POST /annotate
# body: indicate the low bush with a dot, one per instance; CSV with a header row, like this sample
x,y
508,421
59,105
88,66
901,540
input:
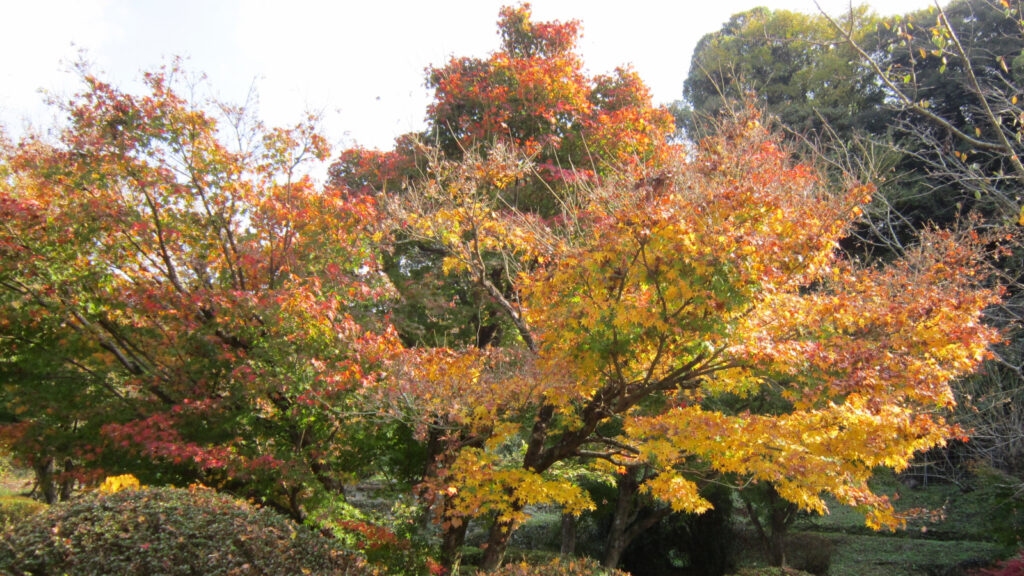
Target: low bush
x,y
810,553
168,531
15,509
389,541
1012,567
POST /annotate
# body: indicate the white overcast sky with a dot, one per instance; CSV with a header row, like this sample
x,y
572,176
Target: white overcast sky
x,y
359,62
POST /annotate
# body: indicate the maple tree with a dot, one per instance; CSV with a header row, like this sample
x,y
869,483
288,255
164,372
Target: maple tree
x,y
633,288
529,120
722,275
175,305
534,95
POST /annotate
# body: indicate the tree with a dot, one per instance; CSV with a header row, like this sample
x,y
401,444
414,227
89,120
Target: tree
x,y
949,76
534,95
793,66
719,276
179,307
528,120
953,76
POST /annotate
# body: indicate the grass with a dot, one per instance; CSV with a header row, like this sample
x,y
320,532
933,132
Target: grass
x,y
949,531
938,512
15,482
879,555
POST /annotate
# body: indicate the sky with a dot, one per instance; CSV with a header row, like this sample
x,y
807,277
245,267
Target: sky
x,y
360,63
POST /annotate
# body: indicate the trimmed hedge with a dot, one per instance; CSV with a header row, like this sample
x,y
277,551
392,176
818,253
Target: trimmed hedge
x,y
168,531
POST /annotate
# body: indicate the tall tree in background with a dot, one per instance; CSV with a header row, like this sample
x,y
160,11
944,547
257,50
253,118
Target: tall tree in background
x,y
531,96
792,65
947,81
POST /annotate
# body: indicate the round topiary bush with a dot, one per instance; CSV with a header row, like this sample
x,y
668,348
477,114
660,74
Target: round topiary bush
x,y
168,531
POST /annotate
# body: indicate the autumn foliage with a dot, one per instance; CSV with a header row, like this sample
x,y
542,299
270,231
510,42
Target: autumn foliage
x,y
647,302
169,300
533,94
174,306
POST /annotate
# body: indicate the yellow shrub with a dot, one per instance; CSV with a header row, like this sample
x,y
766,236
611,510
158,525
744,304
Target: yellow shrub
x,y
117,483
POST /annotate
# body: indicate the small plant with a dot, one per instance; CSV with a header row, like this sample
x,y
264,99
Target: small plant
x,y
168,531
388,541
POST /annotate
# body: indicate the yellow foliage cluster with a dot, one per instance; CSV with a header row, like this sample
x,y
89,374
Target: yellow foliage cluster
x,y
647,306
114,484
482,484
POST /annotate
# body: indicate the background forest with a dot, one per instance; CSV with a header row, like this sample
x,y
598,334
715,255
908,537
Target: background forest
x,y
560,331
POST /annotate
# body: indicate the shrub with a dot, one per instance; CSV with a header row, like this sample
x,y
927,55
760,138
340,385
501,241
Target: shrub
x,y
389,542
15,509
1012,567
810,553
561,567
168,531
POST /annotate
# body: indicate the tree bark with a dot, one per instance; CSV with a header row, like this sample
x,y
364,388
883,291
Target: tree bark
x,y
43,469
67,481
632,518
452,539
773,536
625,513
497,543
568,547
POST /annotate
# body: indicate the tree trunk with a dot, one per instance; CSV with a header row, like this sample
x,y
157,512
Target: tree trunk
x,y
632,517
776,548
497,544
780,516
568,535
44,480
67,481
613,551
625,513
452,539
440,455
